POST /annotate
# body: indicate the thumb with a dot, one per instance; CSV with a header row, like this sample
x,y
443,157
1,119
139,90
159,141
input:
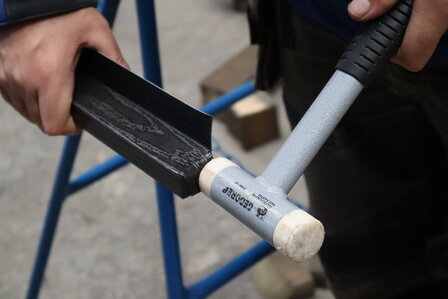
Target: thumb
x,y
366,10
102,40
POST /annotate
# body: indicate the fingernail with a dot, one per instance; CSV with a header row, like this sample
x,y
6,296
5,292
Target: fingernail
x,y
359,8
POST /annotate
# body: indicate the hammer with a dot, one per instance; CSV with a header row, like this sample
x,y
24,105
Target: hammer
x,y
170,140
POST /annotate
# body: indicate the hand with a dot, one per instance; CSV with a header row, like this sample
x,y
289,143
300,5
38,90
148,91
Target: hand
x,y
37,63
428,23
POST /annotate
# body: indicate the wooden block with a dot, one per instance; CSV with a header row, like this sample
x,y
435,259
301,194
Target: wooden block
x,y
253,121
237,70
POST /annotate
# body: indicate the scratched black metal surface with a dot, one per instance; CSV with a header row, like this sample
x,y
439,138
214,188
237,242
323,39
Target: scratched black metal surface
x,y
161,135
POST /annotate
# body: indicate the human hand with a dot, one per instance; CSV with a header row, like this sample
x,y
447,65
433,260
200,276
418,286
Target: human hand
x,y
429,21
37,63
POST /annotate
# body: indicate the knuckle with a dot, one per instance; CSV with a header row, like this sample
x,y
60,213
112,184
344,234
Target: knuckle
x,y
411,64
99,24
414,66
52,128
19,77
44,65
57,128
15,74
45,73
48,71
407,58
86,14
44,76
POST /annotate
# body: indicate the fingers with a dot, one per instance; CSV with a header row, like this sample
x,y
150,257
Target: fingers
x,y
55,104
48,90
32,107
38,60
365,10
18,104
424,32
55,99
13,97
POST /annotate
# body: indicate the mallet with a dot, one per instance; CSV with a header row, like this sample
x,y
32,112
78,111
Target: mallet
x,y
171,141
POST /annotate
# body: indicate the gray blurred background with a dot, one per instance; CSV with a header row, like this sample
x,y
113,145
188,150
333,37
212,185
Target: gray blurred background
x,y
107,244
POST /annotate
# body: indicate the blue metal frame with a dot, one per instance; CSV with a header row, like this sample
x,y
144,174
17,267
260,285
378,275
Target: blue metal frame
x,y
54,210
62,187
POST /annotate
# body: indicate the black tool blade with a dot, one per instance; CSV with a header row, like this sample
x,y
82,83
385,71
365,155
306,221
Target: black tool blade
x,y
161,135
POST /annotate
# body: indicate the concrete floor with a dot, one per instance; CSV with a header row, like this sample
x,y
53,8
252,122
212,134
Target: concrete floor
x,y
107,244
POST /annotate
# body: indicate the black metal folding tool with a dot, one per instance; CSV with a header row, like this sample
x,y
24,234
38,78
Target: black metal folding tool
x,y
161,135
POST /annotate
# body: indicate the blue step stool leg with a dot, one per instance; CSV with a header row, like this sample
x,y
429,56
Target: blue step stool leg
x,y
167,213
54,209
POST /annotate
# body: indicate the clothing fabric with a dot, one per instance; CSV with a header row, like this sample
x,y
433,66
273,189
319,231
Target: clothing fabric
x,y
332,15
15,11
379,182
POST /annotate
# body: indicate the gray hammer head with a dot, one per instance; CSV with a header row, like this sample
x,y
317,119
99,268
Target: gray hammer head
x,y
263,208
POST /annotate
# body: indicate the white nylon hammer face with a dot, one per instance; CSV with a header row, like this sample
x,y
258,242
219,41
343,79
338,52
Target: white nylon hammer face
x,y
263,208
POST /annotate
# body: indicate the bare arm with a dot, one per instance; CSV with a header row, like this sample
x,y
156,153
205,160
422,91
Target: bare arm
x,y
429,21
37,63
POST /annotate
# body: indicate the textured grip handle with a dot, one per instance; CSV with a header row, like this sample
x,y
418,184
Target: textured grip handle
x,y
379,40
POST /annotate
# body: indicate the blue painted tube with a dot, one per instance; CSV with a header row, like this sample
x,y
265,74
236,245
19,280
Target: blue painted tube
x,y
170,243
214,281
167,213
96,173
147,24
53,212
226,100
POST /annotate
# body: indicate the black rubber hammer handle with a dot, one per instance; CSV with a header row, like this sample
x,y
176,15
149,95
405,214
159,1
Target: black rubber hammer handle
x,y
376,43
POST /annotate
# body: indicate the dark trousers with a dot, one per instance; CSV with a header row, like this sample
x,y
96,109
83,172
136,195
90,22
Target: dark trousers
x,y
380,182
